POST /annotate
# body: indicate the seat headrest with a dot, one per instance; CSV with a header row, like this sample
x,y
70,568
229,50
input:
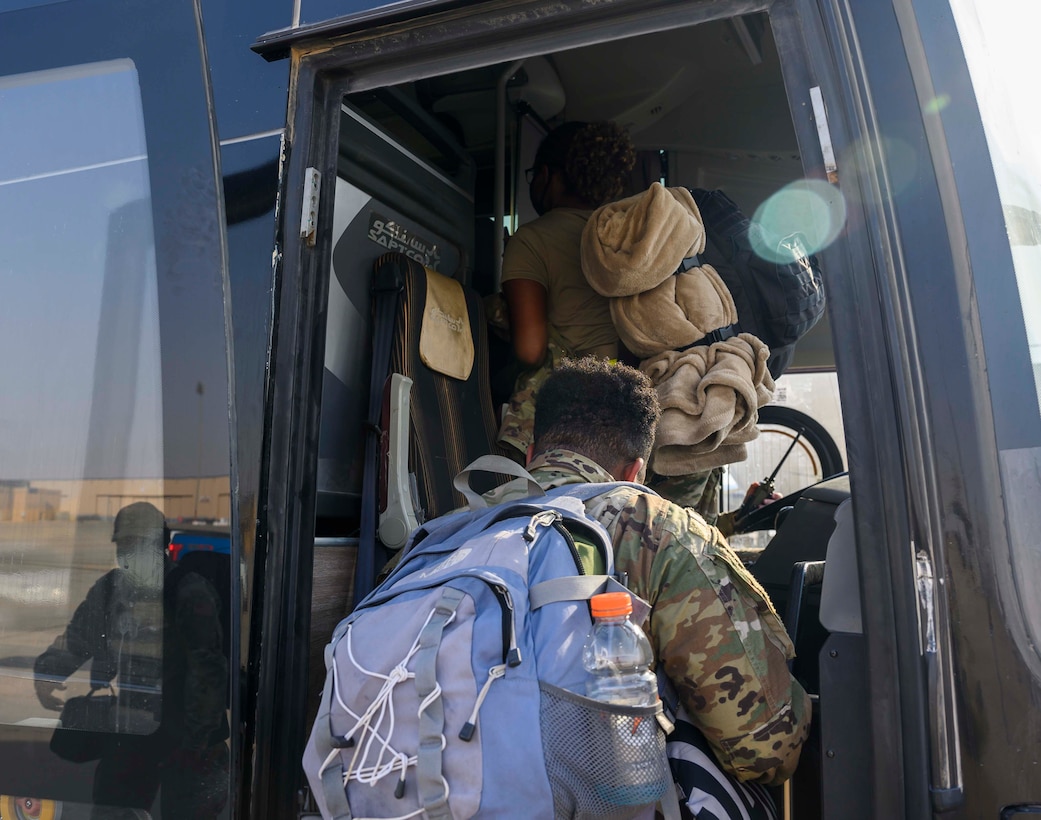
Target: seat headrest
x,y
446,343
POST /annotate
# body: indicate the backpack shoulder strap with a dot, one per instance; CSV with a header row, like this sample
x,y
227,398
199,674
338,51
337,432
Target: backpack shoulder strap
x,y
492,464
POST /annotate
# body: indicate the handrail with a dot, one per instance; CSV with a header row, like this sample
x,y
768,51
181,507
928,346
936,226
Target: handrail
x,y
500,166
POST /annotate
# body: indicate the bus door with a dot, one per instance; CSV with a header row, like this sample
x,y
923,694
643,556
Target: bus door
x,y
114,426
877,100
349,76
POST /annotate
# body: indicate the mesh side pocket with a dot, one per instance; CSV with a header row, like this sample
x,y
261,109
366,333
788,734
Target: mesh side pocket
x,y
603,761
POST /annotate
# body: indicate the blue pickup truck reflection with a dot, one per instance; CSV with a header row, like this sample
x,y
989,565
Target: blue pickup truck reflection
x,y
183,542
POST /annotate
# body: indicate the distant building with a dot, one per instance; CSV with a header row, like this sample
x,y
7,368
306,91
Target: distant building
x,y
46,499
20,501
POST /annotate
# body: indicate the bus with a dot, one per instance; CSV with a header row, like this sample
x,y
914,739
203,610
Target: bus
x,y
210,208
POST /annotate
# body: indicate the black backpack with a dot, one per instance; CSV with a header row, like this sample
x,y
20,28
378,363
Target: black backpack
x,y
776,302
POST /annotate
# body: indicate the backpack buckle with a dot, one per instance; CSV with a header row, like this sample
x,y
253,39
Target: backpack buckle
x,y
546,518
687,263
720,334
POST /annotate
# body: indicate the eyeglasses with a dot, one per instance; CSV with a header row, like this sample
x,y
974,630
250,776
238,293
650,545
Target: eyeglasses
x,y
529,174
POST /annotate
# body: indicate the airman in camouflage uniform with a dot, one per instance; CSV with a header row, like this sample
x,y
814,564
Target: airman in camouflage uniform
x,y
518,420
712,626
697,490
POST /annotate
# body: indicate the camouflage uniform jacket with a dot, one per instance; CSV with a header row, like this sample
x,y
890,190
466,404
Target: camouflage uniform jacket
x,y
518,419
711,625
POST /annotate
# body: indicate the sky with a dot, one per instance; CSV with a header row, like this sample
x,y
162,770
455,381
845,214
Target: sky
x,y
68,179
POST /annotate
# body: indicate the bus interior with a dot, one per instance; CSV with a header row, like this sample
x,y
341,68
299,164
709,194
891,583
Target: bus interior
x,y
430,177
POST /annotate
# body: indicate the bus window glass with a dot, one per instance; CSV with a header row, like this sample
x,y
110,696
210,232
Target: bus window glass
x,y
1000,48
81,422
1001,53
801,442
800,437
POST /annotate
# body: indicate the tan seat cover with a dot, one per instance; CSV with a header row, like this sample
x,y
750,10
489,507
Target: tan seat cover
x,y
445,343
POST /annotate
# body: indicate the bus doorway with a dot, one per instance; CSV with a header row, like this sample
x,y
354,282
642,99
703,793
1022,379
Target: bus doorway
x,y
757,101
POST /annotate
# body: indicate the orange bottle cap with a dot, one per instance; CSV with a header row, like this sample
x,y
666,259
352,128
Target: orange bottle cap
x,y
611,604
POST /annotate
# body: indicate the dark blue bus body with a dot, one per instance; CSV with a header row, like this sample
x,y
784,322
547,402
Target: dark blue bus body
x,y
175,336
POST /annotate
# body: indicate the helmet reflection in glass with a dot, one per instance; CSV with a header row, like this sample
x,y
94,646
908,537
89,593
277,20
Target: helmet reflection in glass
x,y
140,534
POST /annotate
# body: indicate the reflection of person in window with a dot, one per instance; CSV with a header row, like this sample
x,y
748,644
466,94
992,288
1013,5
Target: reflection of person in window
x,y
153,630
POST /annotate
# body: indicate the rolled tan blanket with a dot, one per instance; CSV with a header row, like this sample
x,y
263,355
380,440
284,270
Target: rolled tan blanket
x,y
635,244
710,398
678,312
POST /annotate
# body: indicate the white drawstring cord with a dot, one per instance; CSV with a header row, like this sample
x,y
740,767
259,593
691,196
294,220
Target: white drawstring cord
x,y
383,704
435,693
494,674
380,710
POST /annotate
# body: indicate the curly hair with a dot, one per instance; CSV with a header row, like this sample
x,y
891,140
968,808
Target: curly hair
x,y
607,412
595,157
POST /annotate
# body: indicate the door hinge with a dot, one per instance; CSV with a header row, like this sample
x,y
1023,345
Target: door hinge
x,y
309,211
820,115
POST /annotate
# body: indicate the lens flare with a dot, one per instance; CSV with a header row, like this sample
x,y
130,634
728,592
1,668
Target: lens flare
x,y
938,103
801,218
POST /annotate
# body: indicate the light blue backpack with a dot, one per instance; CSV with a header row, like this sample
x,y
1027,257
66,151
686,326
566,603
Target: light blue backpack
x,y
453,690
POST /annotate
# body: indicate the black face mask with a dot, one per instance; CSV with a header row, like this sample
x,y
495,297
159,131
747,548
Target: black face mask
x,y
141,561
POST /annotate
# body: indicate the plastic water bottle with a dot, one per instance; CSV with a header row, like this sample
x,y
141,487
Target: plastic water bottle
x,y
617,655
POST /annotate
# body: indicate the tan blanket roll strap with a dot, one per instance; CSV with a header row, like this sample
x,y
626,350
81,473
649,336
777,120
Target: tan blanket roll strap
x,y
675,314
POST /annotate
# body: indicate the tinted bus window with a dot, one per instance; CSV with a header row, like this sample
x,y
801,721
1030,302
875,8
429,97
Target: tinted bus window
x,y
80,305
104,639
1002,57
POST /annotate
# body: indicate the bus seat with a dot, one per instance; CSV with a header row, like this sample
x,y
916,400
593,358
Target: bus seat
x,y
804,536
795,568
452,421
810,571
806,575
842,659
430,330
840,591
